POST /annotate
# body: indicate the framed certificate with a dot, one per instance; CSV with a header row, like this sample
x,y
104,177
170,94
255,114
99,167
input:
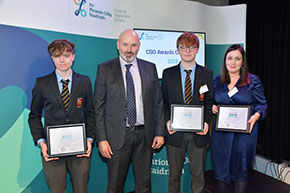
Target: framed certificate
x,y
187,118
64,140
233,118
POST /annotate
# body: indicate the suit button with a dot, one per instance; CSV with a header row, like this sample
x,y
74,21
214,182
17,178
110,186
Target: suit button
x,y
67,120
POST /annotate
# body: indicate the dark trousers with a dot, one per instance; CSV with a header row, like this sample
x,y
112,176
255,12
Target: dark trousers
x,y
55,173
135,150
176,158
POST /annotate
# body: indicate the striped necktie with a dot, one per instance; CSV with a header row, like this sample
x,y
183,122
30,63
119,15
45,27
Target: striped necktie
x,y
131,102
65,93
187,88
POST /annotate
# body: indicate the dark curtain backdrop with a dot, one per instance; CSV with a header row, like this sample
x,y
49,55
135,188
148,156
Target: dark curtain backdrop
x,y
268,51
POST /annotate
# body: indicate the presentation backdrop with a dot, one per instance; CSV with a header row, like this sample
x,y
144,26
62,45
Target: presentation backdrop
x,y
27,27
159,47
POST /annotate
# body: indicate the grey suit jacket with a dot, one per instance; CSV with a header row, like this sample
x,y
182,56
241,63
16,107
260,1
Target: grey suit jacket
x,y
110,103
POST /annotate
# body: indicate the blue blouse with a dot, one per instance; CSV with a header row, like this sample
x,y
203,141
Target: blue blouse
x,y
252,94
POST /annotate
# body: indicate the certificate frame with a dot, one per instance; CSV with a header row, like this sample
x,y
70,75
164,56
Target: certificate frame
x,y
66,140
236,116
187,118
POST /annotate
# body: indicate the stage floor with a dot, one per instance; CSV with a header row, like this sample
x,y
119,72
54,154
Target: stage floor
x,y
258,183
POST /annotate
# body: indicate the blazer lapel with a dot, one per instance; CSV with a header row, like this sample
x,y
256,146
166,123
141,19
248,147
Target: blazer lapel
x,y
54,87
117,72
197,82
74,90
177,84
143,77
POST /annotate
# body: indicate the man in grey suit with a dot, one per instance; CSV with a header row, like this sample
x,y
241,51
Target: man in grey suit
x,y
129,115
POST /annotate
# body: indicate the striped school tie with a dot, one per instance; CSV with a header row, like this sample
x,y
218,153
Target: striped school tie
x,y
187,88
65,93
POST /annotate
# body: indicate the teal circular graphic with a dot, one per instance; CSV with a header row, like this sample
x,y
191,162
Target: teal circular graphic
x,y
24,57
12,102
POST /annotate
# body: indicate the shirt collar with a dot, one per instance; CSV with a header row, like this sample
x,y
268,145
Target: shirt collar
x,y
59,78
123,62
192,69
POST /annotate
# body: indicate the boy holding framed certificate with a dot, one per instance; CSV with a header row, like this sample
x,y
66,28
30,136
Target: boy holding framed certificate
x,y
66,99
187,90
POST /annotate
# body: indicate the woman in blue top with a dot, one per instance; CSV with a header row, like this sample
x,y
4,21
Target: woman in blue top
x,y
233,153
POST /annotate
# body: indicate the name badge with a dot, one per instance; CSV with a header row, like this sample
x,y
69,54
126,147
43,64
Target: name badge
x,y
233,92
203,89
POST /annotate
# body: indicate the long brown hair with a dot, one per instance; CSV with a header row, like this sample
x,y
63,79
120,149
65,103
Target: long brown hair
x,y
244,73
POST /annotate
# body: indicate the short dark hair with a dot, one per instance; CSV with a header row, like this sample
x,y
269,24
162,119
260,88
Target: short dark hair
x,y
187,39
57,47
244,73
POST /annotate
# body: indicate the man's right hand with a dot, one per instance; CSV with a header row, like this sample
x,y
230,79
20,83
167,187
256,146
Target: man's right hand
x,y
105,149
46,157
168,125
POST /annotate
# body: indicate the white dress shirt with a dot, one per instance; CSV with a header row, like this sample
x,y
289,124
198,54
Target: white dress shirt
x,y
134,69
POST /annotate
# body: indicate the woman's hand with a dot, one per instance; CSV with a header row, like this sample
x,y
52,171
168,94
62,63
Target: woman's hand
x,y
253,119
215,109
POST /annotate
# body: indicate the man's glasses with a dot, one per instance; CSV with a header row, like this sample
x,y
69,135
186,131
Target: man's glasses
x,y
184,48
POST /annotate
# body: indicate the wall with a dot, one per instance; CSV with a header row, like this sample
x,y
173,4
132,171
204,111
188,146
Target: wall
x,y
25,31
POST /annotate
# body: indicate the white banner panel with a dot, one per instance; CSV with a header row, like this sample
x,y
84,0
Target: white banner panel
x,y
107,18
101,18
50,15
223,25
